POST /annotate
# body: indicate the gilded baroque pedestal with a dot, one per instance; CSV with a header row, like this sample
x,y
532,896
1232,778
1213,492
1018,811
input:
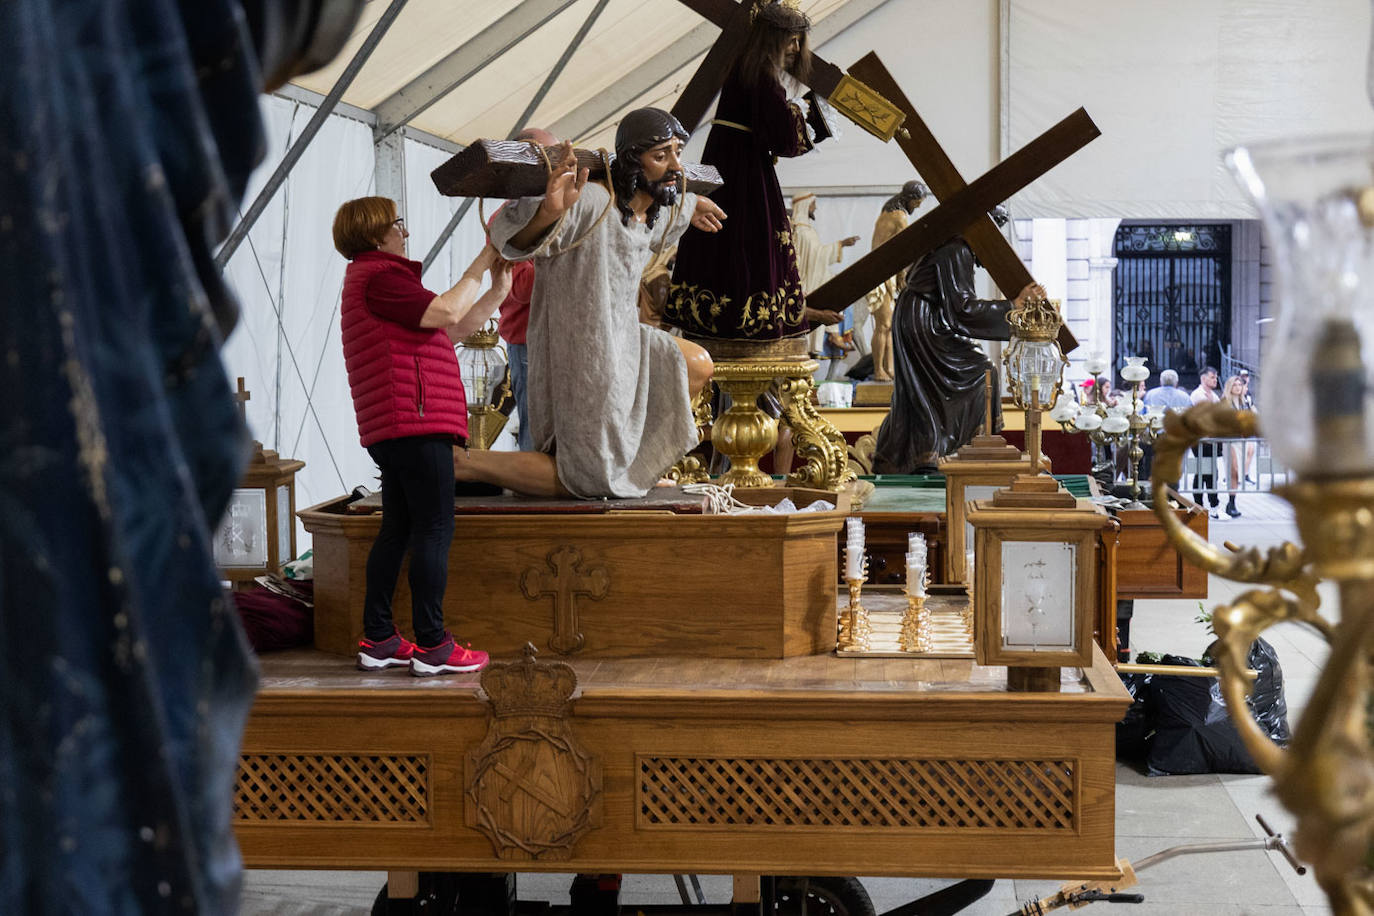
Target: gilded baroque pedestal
x,y
744,433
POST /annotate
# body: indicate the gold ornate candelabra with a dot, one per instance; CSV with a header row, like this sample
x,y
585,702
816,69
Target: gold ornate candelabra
x,y
1120,426
1317,200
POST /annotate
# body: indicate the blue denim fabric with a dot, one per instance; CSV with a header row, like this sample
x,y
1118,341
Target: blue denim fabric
x,y
127,134
519,356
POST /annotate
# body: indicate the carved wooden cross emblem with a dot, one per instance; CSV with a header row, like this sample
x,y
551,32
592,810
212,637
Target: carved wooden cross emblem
x,y
564,583
523,779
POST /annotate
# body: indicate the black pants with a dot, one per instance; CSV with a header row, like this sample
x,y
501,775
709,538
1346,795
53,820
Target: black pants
x,y
417,514
1206,453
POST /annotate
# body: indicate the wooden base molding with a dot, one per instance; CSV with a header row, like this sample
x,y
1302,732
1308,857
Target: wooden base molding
x,y
902,767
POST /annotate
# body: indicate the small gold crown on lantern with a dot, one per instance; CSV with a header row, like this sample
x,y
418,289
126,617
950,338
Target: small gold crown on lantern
x,y
1037,319
527,687
484,338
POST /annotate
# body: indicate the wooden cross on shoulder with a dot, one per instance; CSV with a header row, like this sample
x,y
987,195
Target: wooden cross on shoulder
x,y
516,168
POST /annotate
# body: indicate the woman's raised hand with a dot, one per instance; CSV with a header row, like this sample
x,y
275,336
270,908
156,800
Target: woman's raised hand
x,y
500,274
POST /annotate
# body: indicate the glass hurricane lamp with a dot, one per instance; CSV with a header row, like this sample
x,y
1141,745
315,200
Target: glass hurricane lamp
x,y
482,363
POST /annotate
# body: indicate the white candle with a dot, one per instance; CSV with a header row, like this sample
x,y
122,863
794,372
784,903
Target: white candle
x,y
854,550
854,561
915,574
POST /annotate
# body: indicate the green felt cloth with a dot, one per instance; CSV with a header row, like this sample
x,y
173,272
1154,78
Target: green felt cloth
x,y
926,493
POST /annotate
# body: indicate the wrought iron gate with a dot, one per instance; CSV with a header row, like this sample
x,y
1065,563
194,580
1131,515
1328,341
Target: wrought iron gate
x,y
1172,297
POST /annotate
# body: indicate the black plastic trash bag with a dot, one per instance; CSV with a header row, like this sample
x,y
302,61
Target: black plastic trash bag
x,y
1193,731
1133,732
1267,703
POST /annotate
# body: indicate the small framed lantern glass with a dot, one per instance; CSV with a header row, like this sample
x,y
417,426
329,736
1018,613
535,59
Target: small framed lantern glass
x,y
1036,593
258,532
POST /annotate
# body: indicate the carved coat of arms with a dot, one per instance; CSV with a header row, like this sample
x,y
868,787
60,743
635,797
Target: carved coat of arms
x,y
533,790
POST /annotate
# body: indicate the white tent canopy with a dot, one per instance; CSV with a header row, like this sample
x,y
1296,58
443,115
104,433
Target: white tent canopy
x,y
1171,84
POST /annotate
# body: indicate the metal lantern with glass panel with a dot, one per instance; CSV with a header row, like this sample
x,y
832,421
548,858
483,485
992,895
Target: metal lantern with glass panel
x,y
482,362
258,531
1034,556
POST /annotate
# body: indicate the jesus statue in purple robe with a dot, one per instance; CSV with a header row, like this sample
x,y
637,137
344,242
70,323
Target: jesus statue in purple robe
x,y
742,283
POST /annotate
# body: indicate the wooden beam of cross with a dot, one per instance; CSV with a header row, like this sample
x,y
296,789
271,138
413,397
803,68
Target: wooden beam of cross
x,y
511,168
564,584
846,92
963,207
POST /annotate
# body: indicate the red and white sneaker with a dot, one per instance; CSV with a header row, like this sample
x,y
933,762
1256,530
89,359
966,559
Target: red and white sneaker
x,y
391,652
447,658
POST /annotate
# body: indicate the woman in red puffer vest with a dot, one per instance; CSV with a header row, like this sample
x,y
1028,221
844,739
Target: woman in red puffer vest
x,y
398,342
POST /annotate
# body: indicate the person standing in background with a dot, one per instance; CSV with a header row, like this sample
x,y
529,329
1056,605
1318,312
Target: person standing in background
x,y
1238,454
1206,452
514,322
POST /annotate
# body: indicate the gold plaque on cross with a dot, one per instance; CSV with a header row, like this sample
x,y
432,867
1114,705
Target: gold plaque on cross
x,y
866,108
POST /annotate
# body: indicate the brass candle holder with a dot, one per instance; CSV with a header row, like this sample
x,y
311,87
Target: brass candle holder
x,y
915,635
855,629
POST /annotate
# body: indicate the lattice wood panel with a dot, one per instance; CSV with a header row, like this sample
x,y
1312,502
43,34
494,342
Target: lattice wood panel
x,y
326,788
709,792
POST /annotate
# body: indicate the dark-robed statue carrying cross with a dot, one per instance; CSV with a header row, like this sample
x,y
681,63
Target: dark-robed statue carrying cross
x,y
939,382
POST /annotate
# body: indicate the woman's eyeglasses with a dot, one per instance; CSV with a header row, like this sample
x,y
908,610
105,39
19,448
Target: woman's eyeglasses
x,y
399,222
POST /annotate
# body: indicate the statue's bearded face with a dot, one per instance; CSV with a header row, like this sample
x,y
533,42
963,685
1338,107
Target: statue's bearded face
x,y
661,172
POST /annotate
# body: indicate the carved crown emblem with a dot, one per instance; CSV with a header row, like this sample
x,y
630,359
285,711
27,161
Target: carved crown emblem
x,y
527,687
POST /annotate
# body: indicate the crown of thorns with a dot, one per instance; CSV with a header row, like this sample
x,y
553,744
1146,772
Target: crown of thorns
x,y
781,14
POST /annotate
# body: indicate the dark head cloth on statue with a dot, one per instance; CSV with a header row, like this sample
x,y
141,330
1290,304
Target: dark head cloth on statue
x,y
643,129
130,131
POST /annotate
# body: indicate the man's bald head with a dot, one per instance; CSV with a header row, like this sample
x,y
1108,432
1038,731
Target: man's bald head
x,y
538,135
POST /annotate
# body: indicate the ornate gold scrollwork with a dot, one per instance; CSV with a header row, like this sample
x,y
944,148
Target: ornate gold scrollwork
x,y
817,442
1326,775
690,468
1280,565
